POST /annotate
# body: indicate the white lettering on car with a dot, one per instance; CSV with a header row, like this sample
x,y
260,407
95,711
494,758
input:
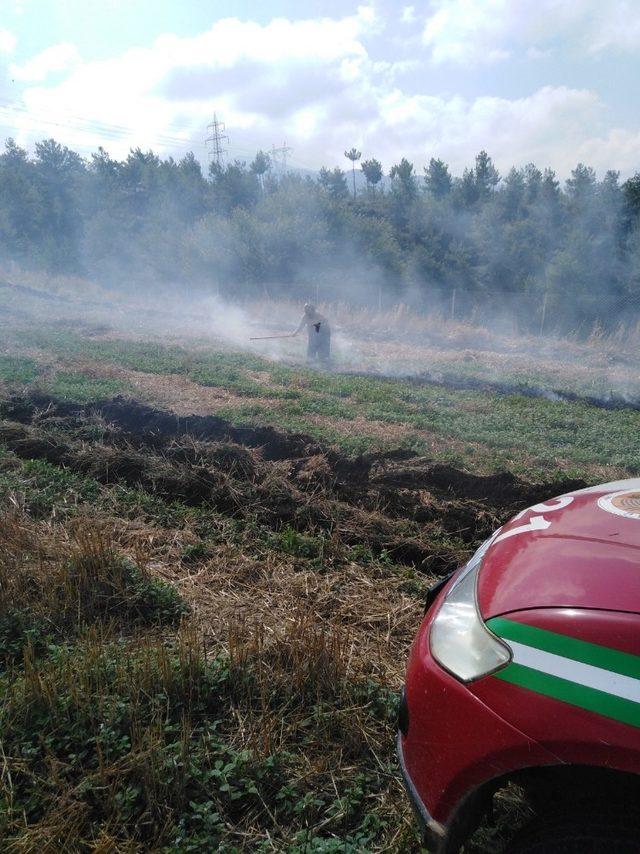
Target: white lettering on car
x,y
547,507
536,523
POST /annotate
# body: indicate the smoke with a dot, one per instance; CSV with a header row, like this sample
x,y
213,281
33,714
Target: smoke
x,y
514,283
399,343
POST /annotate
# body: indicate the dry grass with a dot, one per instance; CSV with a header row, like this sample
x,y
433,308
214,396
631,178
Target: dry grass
x,y
303,646
183,396
301,608
58,579
371,608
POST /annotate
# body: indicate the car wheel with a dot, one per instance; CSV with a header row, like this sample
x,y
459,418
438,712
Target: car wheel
x,y
593,832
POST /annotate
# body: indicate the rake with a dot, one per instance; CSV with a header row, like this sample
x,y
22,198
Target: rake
x,y
271,337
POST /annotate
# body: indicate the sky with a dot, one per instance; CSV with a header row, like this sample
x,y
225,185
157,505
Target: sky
x,y
552,82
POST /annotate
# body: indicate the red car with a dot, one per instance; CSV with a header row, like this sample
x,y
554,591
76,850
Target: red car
x,y
526,670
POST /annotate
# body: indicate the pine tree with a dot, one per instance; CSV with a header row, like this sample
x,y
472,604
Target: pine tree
x,y
353,155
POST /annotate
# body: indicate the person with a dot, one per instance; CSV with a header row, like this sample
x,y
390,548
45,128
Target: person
x,y
318,332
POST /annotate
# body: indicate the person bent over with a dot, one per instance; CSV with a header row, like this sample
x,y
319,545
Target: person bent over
x,y
318,334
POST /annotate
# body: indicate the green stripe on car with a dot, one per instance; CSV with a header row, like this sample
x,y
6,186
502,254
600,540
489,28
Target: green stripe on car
x,y
593,677
567,647
625,711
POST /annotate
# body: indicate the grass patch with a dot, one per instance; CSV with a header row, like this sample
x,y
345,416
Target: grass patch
x,y
17,371
133,730
82,388
53,586
297,544
42,488
131,743
525,434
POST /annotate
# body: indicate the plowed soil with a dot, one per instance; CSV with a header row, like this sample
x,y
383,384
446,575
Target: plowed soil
x,y
419,513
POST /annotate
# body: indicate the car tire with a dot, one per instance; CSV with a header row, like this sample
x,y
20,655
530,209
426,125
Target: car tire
x,y
586,833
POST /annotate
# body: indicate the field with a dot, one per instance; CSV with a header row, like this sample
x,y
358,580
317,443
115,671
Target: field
x,y
213,560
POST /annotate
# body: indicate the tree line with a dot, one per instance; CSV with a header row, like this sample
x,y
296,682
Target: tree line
x,y
522,243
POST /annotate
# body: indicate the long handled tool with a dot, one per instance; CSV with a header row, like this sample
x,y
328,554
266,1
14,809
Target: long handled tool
x,y
271,337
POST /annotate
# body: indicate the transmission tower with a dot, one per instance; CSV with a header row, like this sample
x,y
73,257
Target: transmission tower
x,y
216,139
279,156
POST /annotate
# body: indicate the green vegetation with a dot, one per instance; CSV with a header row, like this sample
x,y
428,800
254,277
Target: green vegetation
x,y
122,722
131,713
118,724
17,371
533,436
79,387
45,488
145,756
509,245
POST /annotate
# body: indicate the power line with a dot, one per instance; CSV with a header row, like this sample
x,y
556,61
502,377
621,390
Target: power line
x,y
12,112
17,107
86,125
216,139
79,122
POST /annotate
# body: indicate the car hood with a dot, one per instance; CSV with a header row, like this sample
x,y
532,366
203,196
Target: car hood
x,y
580,550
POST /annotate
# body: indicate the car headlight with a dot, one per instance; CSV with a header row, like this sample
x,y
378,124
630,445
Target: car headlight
x,y
460,641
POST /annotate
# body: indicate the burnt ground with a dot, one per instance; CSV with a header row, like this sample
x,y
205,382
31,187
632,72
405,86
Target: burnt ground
x,y
399,504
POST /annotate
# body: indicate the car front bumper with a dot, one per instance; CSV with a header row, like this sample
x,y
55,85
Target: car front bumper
x,y
453,748
432,832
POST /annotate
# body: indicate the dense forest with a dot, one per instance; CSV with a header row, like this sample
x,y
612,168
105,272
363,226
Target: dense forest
x,y
567,255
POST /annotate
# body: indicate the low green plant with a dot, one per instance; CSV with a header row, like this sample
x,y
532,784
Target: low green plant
x,y
17,371
134,730
295,543
22,632
81,388
51,589
195,552
43,487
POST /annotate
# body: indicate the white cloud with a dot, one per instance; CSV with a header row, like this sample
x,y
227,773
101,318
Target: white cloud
x,y
408,15
54,59
7,41
485,31
230,41
127,91
545,127
315,84
618,27
617,149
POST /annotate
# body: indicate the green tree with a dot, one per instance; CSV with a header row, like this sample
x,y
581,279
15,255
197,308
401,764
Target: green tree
x,y
60,173
22,212
513,194
234,186
403,178
467,193
533,181
486,175
260,165
581,185
550,187
609,188
372,171
353,155
631,202
333,182
437,178
190,187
